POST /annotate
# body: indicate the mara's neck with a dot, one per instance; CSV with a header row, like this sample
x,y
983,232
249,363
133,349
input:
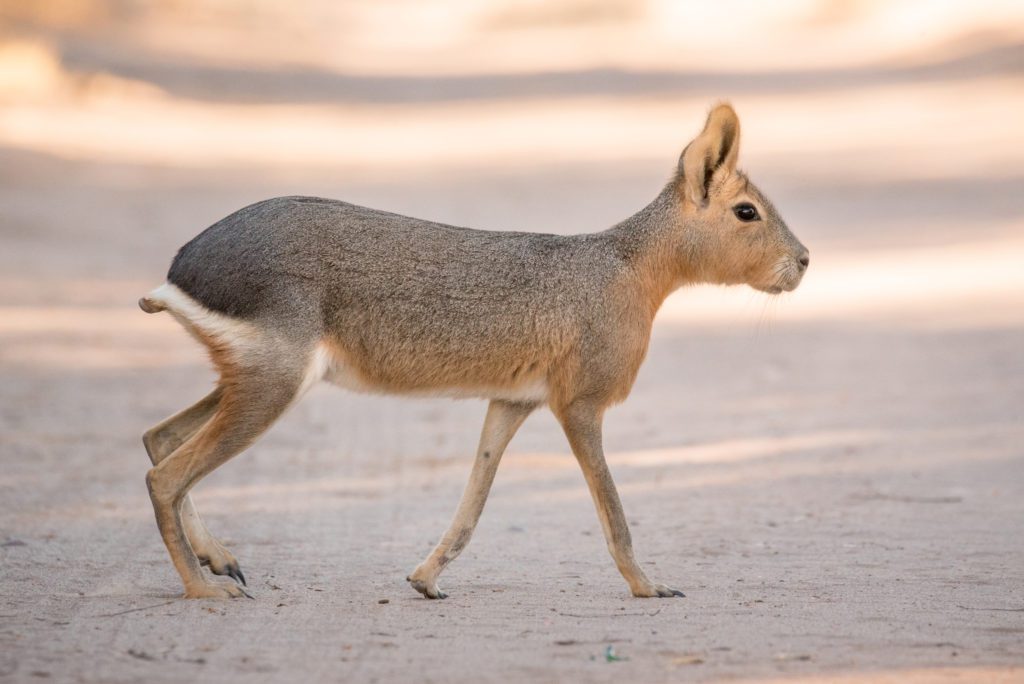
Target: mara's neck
x,y
652,241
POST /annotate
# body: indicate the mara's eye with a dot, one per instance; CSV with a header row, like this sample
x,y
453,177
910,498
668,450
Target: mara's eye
x,y
746,212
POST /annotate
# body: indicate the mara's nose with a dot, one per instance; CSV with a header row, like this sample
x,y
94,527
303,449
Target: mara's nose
x,y
805,259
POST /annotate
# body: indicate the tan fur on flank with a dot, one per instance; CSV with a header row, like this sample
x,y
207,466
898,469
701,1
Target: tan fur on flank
x,y
294,290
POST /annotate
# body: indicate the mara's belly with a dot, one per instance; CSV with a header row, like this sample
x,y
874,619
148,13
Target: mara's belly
x,y
332,365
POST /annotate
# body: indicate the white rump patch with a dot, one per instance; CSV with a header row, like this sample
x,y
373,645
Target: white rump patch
x,y
196,318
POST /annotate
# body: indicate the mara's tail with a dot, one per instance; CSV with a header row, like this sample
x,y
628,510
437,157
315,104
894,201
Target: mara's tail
x,y
151,304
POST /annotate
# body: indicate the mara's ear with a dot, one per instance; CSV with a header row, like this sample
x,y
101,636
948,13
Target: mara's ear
x,y
717,147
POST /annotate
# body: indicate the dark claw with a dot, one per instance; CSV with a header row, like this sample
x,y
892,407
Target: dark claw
x,y
246,594
441,594
676,592
235,573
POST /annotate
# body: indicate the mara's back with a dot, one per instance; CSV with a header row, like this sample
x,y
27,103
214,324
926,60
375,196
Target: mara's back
x,y
407,304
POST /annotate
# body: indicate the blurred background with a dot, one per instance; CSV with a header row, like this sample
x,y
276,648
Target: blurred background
x,y
887,132
864,429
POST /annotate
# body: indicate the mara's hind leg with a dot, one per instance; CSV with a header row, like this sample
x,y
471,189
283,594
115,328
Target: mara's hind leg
x,y
160,441
502,421
251,400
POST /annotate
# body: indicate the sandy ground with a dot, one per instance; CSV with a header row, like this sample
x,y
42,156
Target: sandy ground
x,y
835,496
835,478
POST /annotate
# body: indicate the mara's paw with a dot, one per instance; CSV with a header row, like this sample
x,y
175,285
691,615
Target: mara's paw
x,y
657,591
215,590
221,562
428,588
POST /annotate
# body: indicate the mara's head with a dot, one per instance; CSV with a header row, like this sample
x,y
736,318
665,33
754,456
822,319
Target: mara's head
x,y
734,235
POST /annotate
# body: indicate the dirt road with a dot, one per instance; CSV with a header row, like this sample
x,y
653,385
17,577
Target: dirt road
x,y
835,477
836,496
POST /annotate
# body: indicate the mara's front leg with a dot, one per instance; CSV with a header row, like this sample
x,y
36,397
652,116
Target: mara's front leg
x,y
502,421
582,425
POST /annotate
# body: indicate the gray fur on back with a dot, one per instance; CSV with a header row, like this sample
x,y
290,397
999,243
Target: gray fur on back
x,y
379,282
301,252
